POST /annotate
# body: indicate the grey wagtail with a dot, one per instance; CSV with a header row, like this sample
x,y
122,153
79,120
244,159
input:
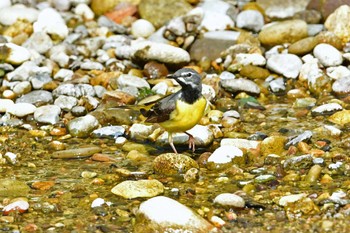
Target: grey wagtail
x,y
182,110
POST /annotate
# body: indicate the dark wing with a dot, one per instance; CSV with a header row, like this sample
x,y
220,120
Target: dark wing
x,y
161,111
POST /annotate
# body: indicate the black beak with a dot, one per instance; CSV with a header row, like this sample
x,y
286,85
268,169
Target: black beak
x,y
171,76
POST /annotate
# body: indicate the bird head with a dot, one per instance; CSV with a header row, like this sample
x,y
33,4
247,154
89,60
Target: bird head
x,y
187,78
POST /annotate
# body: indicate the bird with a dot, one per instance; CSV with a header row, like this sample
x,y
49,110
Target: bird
x,y
182,110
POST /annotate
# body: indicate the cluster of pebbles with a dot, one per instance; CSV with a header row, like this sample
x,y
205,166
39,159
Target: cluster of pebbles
x,y
278,82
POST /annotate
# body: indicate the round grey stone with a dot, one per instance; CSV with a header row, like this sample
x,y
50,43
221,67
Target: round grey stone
x,y
47,114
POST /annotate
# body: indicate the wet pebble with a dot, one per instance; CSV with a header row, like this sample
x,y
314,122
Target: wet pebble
x,y
342,86
340,118
336,22
145,51
63,75
126,80
240,143
39,41
239,85
215,16
77,91
76,153
288,65
250,19
291,198
82,126
328,55
230,200
226,154
140,131
272,145
160,213
21,109
250,59
15,54
5,104
36,97
47,114
51,22
40,79
90,65
9,15
326,109
172,164
109,131
141,188
66,103
298,162
338,72
305,136
20,206
142,28
288,31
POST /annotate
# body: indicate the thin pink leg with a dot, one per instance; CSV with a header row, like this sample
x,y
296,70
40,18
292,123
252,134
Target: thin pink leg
x,y
170,139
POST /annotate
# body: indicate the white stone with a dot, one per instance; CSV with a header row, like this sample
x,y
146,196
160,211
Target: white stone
x,y
310,71
177,26
146,51
22,88
338,72
288,65
5,3
61,5
5,104
230,199
142,28
47,114
250,19
333,130
12,157
91,65
24,71
328,55
250,59
85,11
208,92
66,103
165,212
225,154
9,15
17,54
282,9
64,74
222,35
240,143
51,22
330,107
21,109
225,75
97,202
291,199
215,17
160,88
126,80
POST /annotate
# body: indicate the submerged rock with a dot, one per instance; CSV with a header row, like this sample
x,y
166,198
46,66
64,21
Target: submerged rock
x,y
139,188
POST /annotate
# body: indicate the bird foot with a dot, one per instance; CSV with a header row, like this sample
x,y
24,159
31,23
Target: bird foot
x,y
191,142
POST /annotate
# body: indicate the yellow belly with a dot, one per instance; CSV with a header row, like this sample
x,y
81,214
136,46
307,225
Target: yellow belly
x,y
185,116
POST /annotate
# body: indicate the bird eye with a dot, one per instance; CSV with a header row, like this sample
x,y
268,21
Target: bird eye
x,y
188,75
